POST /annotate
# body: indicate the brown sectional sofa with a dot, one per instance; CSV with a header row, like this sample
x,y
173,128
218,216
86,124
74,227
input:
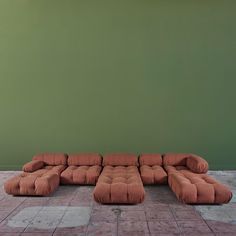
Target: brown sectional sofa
x,y
119,181
122,177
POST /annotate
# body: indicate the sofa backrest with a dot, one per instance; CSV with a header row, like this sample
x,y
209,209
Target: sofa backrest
x,y
52,159
84,159
120,159
150,159
193,162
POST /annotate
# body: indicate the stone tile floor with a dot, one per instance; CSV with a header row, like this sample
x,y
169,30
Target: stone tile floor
x,y
71,210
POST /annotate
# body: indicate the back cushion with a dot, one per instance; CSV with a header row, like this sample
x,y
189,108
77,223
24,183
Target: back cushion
x,y
120,160
52,159
175,159
85,159
197,164
150,159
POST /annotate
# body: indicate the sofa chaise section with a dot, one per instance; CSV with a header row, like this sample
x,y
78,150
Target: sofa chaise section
x,y
83,169
119,182
188,179
151,169
40,177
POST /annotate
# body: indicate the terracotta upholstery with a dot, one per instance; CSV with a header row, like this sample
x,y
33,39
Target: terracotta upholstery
x,y
195,188
119,184
86,159
33,166
192,161
151,169
119,181
41,176
82,169
41,182
52,159
188,180
120,160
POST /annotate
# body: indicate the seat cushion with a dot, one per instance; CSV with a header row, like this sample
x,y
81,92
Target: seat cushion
x,y
85,159
41,183
120,160
52,159
153,174
119,184
80,175
150,159
198,188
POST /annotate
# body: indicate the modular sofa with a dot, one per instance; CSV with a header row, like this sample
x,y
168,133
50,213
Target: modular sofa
x,y
82,169
188,180
119,181
151,169
119,178
40,177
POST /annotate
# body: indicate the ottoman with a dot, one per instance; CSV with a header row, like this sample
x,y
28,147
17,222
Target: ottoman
x,y
119,184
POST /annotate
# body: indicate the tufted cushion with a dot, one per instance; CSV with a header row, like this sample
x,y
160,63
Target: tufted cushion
x,y
33,166
150,159
174,169
153,174
120,160
52,158
119,184
86,159
41,183
81,174
198,188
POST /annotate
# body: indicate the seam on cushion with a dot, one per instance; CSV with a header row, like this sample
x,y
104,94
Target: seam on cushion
x,y
214,193
34,183
18,182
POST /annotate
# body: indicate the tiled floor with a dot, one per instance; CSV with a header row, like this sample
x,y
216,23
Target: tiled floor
x,y
71,210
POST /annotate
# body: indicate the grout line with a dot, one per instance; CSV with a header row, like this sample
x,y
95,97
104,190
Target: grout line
x,y
171,210
34,216
60,220
13,210
86,231
146,220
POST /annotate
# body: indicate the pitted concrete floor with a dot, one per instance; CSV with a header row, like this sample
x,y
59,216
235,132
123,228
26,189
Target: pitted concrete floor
x,y
71,210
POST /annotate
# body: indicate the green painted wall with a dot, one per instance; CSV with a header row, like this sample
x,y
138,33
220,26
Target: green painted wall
x,y
127,76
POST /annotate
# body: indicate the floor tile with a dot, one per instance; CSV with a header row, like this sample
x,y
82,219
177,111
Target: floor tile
x,y
159,215
220,227
162,226
139,228
102,228
196,227
70,231
132,216
186,215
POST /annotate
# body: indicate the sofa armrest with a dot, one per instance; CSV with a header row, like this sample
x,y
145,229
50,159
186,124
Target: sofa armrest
x,y
197,164
33,166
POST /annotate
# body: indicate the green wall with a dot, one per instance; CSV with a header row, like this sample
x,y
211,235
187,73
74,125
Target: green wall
x,y
127,76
